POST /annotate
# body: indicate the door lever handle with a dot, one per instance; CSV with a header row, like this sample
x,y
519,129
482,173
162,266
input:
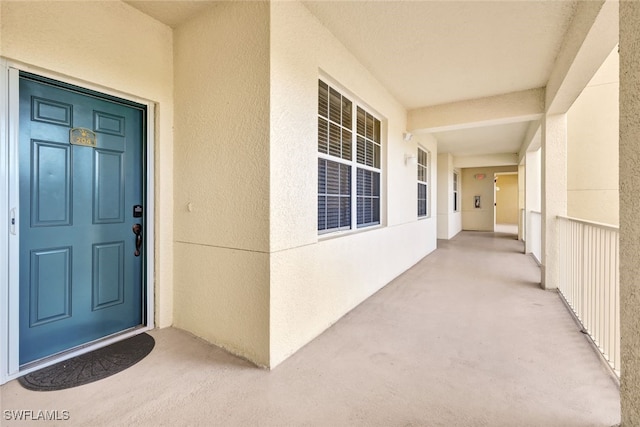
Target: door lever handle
x,y
137,230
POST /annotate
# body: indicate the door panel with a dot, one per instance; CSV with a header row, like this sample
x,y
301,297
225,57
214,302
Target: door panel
x,y
50,285
108,187
79,278
50,184
108,275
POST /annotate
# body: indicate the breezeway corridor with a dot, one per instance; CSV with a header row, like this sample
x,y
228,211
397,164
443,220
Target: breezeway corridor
x,y
464,338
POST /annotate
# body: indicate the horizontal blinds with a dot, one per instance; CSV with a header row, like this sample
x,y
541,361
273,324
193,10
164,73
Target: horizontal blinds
x,y
334,195
422,200
368,139
334,122
345,143
423,179
368,187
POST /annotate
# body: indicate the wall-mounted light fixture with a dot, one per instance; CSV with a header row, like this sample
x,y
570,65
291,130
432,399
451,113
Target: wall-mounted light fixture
x,y
406,136
410,159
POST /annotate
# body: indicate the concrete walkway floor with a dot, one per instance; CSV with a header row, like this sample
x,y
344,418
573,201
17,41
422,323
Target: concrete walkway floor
x,y
464,338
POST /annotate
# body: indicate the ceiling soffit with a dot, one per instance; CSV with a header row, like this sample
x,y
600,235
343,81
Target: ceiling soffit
x,y
433,52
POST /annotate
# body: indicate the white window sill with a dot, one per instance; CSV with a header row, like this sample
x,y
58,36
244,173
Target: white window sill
x,y
350,232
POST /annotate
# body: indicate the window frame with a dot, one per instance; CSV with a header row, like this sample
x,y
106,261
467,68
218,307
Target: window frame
x,y
426,169
456,191
351,161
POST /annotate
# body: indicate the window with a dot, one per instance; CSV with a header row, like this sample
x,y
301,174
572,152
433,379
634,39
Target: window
x,y
456,200
342,203
423,183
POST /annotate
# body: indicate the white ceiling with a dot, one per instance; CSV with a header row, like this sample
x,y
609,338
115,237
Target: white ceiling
x,y
171,13
433,52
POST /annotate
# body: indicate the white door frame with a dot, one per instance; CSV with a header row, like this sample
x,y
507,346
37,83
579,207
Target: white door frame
x,y
9,234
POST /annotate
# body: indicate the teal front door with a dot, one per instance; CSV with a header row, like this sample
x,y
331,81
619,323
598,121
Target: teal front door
x,y
81,221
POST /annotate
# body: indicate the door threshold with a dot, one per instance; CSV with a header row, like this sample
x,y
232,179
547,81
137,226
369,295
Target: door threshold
x,y
78,351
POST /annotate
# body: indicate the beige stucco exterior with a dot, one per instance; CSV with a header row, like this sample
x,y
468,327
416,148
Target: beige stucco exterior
x,y
592,147
449,221
238,259
532,202
521,198
554,188
92,42
222,178
316,280
629,207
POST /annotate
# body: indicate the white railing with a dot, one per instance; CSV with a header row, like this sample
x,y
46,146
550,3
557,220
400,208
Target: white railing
x,y
534,235
589,281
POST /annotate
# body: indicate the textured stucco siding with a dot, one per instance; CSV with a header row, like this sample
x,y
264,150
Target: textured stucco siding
x,y
592,148
315,281
629,208
222,177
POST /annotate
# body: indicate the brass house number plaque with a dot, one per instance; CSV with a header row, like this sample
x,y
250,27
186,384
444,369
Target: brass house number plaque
x,y
82,136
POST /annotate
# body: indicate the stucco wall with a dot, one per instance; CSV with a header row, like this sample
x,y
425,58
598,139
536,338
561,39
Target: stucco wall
x,y
113,47
449,222
592,147
479,219
314,281
533,164
222,177
532,202
455,223
445,166
629,208
521,198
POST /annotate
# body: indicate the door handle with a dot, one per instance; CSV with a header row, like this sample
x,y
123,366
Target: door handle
x,y
137,230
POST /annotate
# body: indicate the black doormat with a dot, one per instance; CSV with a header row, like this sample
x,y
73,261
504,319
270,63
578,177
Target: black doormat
x,y
90,367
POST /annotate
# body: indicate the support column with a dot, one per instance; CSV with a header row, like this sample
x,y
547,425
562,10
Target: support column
x,y
629,212
521,199
531,194
444,190
554,193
